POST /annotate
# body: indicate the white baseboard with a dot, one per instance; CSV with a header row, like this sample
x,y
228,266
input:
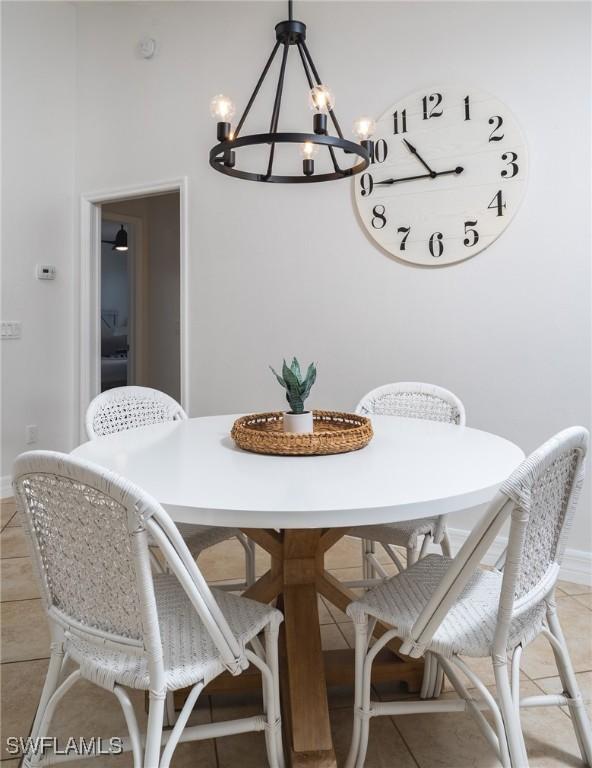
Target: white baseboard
x,y
5,487
576,566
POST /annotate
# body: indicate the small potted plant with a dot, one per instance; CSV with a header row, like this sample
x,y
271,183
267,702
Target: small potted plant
x,y
297,390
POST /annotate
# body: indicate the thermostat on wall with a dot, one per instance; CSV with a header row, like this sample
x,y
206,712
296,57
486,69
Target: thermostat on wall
x,y
45,272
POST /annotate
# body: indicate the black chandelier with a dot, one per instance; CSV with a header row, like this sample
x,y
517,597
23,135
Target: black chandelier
x,y
223,155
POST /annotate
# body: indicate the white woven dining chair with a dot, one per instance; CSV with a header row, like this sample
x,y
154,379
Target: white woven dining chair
x,y
443,608
123,625
413,400
123,408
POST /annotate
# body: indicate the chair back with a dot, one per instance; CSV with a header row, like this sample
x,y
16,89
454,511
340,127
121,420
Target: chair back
x,y
544,492
413,400
88,529
540,497
128,407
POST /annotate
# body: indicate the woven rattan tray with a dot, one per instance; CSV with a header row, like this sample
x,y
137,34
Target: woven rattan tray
x,y
334,432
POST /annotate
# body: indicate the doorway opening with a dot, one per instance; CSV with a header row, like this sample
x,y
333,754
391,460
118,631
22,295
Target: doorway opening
x,y
154,217
140,280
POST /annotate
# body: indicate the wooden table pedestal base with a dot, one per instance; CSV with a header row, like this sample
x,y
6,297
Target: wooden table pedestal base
x,y
296,578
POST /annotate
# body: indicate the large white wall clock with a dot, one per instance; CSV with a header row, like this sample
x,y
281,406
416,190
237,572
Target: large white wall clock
x,y
447,177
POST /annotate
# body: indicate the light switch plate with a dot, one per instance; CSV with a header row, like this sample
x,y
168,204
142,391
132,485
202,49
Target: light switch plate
x,y
11,329
45,272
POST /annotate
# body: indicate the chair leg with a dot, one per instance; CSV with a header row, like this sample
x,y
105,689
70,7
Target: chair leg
x,y
181,722
154,730
132,724
510,714
427,540
425,691
361,628
439,681
445,544
51,683
271,654
250,563
433,678
368,548
48,711
364,563
249,547
577,709
412,555
365,713
169,709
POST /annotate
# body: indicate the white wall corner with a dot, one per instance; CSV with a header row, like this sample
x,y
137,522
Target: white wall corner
x,y
5,487
576,566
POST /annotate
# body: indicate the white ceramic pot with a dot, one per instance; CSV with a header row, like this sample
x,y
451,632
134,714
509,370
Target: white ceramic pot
x,y
298,422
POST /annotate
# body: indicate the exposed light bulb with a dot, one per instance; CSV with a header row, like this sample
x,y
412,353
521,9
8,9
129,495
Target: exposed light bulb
x,y
364,127
222,108
308,150
321,99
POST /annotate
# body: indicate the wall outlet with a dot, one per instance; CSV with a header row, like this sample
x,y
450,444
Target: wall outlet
x,y
31,434
11,329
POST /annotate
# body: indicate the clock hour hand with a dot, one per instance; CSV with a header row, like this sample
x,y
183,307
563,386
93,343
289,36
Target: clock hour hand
x,y
457,170
413,151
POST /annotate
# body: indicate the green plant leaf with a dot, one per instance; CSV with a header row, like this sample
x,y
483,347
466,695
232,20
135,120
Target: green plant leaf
x,y
293,387
311,377
278,377
295,368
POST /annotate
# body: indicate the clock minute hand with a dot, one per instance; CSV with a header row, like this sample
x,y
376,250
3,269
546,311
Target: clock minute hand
x,y
433,175
405,178
413,151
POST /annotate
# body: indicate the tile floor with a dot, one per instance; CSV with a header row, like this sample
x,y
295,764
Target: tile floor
x,y
426,741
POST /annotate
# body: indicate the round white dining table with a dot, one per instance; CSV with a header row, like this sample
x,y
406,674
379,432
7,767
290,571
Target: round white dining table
x,y
296,508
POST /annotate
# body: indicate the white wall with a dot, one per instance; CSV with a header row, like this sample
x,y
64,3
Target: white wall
x,y
38,206
509,330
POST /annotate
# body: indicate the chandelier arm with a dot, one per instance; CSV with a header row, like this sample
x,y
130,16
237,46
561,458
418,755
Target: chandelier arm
x,y
275,116
334,160
256,89
305,65
311,85
319,82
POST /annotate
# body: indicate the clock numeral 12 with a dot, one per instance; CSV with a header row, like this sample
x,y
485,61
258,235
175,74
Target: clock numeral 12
x,y
436,98
498,203
435,245
403,121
